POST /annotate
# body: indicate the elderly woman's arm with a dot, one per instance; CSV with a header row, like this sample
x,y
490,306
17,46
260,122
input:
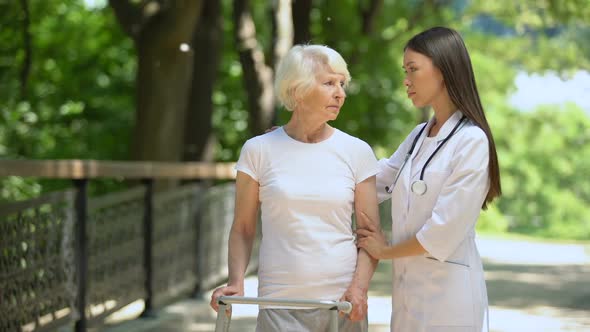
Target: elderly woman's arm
x,y
365,200
241,238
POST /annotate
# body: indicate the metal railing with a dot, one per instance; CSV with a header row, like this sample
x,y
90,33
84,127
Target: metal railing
x,y
70,259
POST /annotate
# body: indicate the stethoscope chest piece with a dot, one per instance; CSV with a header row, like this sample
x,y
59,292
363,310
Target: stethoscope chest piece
x,y
419,187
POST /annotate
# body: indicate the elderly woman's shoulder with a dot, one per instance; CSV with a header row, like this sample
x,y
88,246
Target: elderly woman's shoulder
x,y
353,140
267,136
262,139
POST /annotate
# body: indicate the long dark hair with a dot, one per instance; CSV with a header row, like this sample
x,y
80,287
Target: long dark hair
x,y
446,49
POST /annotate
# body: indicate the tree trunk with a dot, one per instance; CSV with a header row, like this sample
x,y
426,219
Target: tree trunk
x,y
199,140
301,21
163,33
258,77
27,47
283,36
368,16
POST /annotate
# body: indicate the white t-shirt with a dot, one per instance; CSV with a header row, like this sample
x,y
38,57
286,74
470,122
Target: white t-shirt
x,y
307,199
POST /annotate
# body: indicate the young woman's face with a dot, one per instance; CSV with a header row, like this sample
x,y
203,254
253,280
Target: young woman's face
x,y
424,82
326,97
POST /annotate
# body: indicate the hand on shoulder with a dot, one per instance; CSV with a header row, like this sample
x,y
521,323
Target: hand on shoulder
x,y
271,129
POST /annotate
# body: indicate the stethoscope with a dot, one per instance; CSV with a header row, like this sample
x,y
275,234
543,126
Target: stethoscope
x,y
419,187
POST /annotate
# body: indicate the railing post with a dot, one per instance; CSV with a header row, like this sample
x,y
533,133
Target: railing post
x,y
81,206
148,243
197,290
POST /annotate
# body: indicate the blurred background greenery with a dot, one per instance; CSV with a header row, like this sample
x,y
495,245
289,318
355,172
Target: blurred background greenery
x,y
189,80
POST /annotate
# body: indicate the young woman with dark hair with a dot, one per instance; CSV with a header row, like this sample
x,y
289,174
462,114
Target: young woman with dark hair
x,y
439,179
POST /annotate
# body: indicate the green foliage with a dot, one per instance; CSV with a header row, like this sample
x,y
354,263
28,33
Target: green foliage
x,y
78,102
544,157
492,221
525,14
538,35
543,154
230,119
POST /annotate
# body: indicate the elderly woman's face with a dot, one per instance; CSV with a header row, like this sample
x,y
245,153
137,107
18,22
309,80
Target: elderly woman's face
x,y
326,97
424,82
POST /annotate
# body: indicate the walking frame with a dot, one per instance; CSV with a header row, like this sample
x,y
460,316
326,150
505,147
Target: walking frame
x,y
225,302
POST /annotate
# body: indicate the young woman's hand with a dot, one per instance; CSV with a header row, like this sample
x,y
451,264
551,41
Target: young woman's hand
x,y
273,128
371,239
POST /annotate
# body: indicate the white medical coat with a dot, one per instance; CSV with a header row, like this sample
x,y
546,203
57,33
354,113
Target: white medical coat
x,y
443,290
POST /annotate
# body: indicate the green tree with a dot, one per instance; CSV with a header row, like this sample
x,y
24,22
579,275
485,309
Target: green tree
x,y
544,156
73,101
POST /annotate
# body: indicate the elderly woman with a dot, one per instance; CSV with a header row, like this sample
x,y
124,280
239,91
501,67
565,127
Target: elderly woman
x,y
308,177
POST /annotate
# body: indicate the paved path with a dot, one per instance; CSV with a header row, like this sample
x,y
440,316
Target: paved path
x,y
531,287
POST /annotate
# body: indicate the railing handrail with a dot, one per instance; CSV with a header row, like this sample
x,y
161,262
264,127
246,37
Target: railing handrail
x,y
90,169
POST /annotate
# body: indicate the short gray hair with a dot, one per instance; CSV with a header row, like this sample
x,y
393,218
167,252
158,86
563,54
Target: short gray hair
x,y
296,72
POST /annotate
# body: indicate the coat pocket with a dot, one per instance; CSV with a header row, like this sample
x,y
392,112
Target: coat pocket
x,y
449,297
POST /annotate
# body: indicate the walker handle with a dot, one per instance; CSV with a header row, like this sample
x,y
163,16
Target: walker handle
x,y
343,306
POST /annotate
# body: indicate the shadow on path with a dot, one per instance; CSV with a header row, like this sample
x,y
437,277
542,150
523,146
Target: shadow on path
x,y
522,286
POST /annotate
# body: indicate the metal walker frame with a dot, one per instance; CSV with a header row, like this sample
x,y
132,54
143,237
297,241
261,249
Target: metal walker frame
x,y
225,302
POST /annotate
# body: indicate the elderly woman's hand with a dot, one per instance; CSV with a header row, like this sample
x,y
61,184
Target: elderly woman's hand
x,y
358,298
228,290
371,239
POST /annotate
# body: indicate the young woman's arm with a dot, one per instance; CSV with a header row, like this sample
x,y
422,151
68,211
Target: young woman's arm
x,y
374,242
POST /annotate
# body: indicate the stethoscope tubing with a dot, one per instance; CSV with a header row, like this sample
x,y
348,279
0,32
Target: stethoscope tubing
x,y
389,189
440,146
